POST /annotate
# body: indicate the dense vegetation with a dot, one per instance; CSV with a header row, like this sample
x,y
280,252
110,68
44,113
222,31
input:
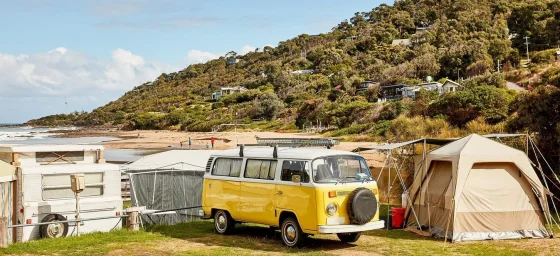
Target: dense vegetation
x,y
463,38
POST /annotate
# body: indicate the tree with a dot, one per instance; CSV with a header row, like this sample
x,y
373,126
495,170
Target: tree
x,y
463,106
267,106
538,111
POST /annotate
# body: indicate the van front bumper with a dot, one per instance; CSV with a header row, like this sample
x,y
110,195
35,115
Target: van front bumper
x,y
334,229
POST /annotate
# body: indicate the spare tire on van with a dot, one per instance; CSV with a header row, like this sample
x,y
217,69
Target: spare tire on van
x,y
362,206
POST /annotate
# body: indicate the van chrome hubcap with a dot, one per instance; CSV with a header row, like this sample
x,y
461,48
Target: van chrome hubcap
x,y
221,222
290,233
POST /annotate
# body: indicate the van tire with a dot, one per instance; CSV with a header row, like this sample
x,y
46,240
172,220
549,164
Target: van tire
x,y
291,232
223,223
349,237
54,230
362,206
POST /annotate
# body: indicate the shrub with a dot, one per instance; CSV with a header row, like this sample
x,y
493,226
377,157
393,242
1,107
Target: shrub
x,y
463,106
543,57
267,106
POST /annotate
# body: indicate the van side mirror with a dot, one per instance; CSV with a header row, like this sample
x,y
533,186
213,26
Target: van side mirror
x,y
296,178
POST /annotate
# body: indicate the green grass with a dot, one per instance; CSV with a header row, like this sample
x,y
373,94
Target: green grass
x,y
198,238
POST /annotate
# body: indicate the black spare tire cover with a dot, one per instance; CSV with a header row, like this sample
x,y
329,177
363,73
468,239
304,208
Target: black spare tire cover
x,y
362,206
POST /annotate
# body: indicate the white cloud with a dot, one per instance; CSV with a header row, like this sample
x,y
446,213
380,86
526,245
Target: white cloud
x,y
247,49
64,73
198,56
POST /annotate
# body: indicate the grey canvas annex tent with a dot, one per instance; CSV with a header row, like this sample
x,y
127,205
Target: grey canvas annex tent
x,y
478,189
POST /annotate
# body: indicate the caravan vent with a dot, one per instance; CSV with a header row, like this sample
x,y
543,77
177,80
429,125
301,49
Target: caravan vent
x,y
209,164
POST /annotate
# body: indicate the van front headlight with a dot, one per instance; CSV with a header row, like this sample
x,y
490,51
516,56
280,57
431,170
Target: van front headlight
x,y
332,208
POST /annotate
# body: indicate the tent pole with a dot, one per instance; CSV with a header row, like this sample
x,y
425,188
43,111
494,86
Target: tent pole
x,y
399,174
424,163
389,189
545,182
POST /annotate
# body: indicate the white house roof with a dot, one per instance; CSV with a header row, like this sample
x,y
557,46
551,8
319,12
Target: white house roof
x,y
450,83
22,148
405,42
289,153
192,160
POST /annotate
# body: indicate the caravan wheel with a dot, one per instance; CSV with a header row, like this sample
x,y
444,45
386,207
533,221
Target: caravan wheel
x,y
54,230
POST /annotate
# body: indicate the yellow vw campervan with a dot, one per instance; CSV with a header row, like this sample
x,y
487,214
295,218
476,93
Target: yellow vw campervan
x,y
301,191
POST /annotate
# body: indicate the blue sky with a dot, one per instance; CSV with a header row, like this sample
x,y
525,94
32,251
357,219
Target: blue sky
x,y
90,52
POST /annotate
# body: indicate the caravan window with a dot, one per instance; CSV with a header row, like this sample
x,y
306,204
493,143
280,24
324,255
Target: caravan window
x,y
57,186
227,167
260,169
291,168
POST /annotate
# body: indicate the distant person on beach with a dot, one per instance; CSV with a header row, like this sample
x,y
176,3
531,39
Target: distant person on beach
x,y
212,140
181,143
190,142
207,145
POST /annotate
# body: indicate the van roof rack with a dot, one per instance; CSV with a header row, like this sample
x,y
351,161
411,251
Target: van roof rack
x,y
290,142
298,142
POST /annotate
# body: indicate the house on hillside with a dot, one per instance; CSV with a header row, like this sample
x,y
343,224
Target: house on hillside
x,y
558,54
366,85
450,86
227,91
432,86
402,42
302,72
231,61
391,92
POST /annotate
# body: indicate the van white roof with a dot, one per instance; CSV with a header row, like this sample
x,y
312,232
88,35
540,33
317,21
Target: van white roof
x,y
288,153
22,148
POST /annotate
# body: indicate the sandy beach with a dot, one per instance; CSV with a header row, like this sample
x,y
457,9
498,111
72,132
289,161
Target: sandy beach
x,y
163,140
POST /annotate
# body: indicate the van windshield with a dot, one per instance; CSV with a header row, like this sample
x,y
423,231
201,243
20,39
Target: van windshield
x,y
334,169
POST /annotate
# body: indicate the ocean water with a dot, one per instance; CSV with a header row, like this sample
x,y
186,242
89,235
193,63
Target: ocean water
x,y
27,133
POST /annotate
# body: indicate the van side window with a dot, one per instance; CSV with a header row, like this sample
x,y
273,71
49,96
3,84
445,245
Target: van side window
x,y
291,168
260,169
227,167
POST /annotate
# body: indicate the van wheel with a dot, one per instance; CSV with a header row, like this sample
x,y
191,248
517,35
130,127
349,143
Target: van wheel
x,y
349,237
223,222
292,235
54,230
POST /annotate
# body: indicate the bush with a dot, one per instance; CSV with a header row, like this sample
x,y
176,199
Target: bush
x,y
544,57
463,106
267,106
149,120
552,76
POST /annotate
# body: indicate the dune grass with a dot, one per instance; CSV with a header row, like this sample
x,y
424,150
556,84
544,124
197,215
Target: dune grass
x,y
198,238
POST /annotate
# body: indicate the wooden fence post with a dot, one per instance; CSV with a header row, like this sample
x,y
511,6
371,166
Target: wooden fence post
x,y
3,232
132,222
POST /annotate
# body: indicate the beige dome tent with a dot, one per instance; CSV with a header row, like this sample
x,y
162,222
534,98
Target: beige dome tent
x,y
478,189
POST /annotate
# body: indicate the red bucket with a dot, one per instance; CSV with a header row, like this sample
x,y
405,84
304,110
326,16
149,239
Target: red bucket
x,y
397,217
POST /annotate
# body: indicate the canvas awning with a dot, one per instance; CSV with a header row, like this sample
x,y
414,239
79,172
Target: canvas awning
x,y
7,172
431,141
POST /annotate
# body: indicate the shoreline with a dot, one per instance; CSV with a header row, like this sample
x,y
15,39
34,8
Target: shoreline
x,y
170,140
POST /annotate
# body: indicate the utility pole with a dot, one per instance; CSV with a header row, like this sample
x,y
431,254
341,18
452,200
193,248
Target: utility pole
x,y
527,43
498,66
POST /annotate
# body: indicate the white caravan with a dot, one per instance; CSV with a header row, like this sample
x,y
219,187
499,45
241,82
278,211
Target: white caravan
x,y
43,191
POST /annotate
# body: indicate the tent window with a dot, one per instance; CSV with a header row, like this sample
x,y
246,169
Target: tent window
x,y
227,167
260,169
57,186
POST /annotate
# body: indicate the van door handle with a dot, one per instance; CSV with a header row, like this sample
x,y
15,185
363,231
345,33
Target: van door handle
x,y
279,192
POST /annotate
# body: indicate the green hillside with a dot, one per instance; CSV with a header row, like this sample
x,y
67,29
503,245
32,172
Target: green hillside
x,y
449,39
